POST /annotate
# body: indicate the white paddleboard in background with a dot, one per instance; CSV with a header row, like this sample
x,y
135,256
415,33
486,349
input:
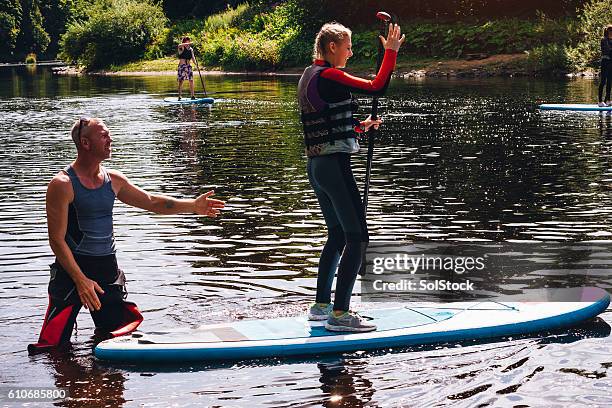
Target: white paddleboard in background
x,y
575,107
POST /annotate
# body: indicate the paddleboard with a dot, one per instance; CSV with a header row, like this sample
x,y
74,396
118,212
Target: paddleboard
x,y
574,107
413,324
175,101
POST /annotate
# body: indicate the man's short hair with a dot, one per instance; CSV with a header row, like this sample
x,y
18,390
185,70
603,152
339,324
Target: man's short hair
x,y
78,130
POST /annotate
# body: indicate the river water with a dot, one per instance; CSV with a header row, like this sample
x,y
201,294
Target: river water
x,y
457,159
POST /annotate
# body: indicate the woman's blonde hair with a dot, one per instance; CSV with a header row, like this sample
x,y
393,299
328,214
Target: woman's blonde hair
x,y
330,32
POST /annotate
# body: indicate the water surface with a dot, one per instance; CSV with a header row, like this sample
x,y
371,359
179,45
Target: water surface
x,y
458,159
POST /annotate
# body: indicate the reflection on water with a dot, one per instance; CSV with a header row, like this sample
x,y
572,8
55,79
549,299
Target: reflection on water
x,y
457,160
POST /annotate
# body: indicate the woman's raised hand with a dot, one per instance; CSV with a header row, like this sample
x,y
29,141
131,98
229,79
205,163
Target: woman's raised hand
x,y
394,39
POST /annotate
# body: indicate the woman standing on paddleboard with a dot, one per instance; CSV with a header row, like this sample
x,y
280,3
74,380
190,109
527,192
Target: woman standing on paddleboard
x,y
326,103
605,74
185,72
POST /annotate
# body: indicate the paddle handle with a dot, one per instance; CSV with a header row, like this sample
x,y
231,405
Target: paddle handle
x,y
384,19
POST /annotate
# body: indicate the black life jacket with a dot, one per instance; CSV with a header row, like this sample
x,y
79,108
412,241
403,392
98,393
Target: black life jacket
x,y
324,123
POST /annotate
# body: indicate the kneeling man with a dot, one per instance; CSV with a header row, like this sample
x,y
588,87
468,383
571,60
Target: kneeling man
x,y
79,205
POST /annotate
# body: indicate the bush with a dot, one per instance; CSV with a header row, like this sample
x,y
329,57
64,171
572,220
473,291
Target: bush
x,y
252,37
116,31
595,15
30,58
549,58
452,40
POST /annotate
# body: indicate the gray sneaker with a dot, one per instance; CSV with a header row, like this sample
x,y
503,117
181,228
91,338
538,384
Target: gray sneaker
x,y
319,311
349,322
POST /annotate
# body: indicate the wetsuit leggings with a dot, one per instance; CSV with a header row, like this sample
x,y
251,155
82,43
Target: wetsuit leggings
x,y
605,78
334,184
116,316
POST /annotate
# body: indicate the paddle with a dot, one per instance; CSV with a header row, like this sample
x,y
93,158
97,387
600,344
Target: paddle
x,y
199,73
384,19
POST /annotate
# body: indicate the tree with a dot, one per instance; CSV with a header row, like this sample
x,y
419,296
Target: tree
x,y
196,8
56,15
32,35
10,21
595,15
115,32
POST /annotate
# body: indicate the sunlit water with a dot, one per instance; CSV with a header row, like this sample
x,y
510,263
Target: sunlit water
x,y
456,160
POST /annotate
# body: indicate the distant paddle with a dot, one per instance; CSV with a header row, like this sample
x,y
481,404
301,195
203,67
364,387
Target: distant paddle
x,y
198,67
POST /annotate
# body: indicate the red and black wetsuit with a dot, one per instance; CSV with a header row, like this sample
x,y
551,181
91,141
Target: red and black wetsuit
x,y
325,96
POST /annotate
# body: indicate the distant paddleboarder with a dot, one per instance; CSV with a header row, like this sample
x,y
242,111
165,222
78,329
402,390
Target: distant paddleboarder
x,y
330,131
185,72
79,205
605,74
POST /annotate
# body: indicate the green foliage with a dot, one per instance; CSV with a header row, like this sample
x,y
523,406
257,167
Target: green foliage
x,y
365,45
181,9
32,35
194,28
56,15
252,37
115,31
30,58
548,58
228,18
595,15
454,40
10,20
262,37
360,14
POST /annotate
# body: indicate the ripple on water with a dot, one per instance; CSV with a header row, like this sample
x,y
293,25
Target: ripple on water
x,y
457,161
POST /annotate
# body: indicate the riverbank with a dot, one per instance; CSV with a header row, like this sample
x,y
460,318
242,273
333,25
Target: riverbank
x,y
478,66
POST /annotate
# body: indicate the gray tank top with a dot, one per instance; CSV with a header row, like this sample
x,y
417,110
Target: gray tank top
x,y
90,217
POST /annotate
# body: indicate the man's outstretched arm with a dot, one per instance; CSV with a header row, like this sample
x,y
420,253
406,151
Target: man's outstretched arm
x,y
133,195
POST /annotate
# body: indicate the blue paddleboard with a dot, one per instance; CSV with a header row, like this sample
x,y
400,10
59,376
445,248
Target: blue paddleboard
x,y
414,324
187,100
574,107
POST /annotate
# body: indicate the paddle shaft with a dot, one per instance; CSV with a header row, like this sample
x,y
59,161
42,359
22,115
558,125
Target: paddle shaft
x,y
384,20
198,67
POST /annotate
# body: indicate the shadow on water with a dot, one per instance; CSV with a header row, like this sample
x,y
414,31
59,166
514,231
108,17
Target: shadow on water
x,y
84,380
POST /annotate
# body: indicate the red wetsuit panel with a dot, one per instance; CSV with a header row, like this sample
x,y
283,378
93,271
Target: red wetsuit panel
x,y
360,84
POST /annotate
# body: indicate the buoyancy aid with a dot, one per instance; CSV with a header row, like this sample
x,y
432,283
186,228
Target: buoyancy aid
x,y
328,127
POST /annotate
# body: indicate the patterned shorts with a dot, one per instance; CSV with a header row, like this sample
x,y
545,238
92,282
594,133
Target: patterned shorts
x,y
185,72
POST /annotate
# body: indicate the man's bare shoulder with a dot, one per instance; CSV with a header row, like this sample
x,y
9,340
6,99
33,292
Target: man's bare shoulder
x,y
60,180
60,185
118,179
116,175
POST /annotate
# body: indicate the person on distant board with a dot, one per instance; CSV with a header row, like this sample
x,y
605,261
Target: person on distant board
x,y
185,72
605,73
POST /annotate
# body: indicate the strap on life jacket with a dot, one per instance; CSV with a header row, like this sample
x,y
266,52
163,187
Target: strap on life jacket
x,y
329,121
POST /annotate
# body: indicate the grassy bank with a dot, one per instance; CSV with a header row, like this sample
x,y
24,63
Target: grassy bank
x,y
407,66
251,38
